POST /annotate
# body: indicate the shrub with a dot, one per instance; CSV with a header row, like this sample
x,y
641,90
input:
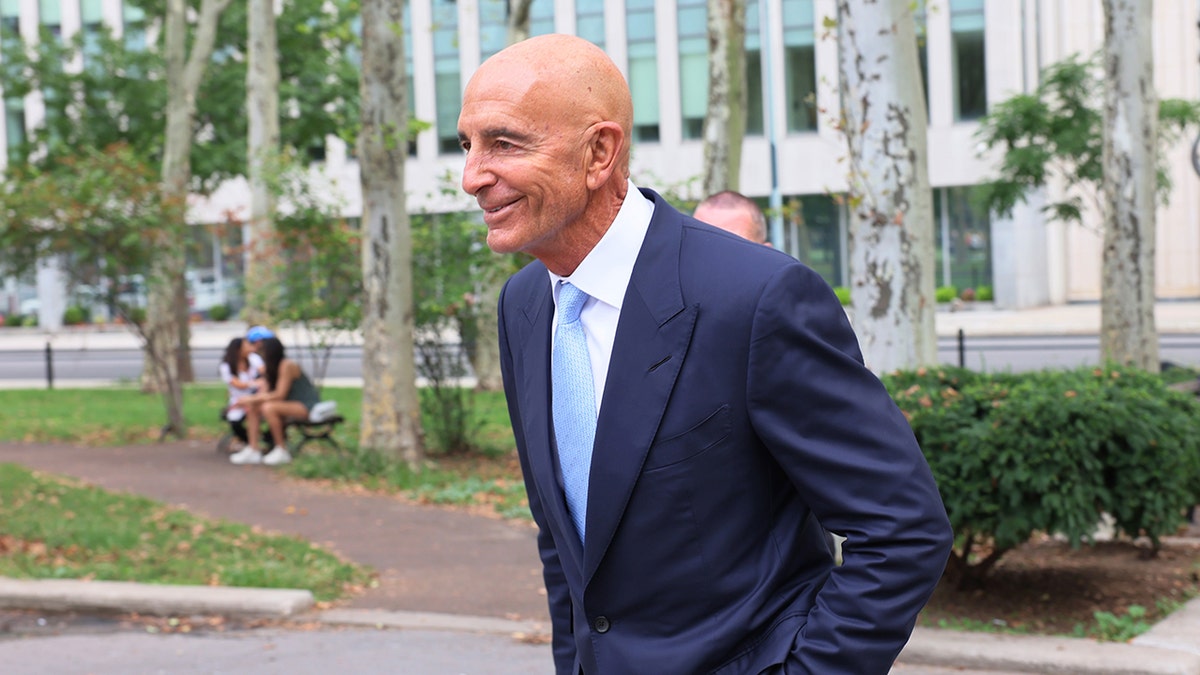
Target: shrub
x,y
1049,452
218,312
75,316
13,320
968,295
984,294
945,294
843,295
29,321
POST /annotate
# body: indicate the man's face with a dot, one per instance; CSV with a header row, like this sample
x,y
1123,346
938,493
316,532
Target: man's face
x,y
735,220
525,162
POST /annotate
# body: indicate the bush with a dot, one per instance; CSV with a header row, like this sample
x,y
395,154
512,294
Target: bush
x,y
984,294
218,312
843,295
75,316
13,320
1049,452
29,321
945,294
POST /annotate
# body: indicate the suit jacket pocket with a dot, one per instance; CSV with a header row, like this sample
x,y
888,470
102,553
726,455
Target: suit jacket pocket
x,y
697,439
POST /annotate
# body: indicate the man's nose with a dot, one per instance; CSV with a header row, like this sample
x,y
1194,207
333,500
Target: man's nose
x,y
476,175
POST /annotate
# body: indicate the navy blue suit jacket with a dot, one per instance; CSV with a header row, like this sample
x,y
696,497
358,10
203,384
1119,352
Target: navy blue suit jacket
x,y
737,414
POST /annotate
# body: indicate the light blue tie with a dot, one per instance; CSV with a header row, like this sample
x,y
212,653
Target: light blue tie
x,y
574,398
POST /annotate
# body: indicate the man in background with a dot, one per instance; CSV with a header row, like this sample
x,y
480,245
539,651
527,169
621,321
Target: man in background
x,y
734,212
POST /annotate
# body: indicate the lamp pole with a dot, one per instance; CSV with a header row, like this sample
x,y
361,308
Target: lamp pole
x,y
776,201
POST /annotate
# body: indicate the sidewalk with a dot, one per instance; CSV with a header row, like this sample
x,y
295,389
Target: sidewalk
x,y
452,571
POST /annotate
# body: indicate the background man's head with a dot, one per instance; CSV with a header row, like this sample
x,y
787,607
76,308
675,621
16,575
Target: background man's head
x,y
546,126
734,212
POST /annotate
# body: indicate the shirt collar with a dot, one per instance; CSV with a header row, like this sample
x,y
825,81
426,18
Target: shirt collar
x,y
605,273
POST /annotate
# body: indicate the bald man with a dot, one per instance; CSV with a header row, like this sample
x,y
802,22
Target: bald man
x,y
734,212
685,408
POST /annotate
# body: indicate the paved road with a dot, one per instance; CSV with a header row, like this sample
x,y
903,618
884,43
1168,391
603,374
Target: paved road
x,y
282,652
998,353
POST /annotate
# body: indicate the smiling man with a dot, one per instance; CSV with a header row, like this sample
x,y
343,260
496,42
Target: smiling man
x,y
686,406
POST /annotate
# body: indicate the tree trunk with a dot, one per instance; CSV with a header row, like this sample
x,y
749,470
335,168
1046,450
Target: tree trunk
x,y
1127,332
725,120
391,419
889,201
518,20
262,108
166,328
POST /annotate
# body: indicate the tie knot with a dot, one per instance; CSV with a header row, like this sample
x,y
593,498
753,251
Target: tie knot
x,y
570,302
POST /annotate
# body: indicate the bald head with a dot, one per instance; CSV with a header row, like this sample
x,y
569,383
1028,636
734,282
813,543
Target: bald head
x,y
573,78
546,125
734,212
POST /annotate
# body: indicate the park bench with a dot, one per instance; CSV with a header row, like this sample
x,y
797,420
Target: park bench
x,y
307,429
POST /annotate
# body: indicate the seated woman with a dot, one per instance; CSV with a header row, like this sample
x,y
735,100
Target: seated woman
x,y
290,394
239,369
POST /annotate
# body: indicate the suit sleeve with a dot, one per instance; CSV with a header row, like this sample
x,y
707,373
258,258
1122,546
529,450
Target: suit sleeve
x,y
852,456
556,584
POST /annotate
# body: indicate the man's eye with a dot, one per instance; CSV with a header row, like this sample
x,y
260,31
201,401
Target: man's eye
x,y
504,145
465,145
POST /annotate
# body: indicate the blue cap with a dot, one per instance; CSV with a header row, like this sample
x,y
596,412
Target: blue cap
x,y
257,333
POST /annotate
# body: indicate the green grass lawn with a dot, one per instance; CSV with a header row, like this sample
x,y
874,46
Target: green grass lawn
x,y
54,528
487,474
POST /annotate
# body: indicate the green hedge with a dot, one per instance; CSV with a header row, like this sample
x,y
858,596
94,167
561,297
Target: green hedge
x,y
1049,451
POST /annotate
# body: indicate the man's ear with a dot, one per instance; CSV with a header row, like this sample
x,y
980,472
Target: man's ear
x,y
604,143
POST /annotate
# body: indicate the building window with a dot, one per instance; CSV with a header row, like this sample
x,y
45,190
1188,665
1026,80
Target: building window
x,y
693,65
493,23
10,23
964,241
755,121
970,73
50,15
14,118
812,234
446,83
134,30
800,64
493,27
541,17
589,21
92,18
643,68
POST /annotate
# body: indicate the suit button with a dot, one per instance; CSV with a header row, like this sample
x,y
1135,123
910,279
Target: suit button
x,y
601,624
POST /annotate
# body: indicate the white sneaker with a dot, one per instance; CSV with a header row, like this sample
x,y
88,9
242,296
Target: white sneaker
x,y
279,455
247,455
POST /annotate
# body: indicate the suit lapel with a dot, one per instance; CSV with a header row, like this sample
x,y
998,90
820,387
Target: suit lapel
x,y
535,413
652,338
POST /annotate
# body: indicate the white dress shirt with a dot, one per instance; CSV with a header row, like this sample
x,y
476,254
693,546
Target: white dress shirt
x,y
604,275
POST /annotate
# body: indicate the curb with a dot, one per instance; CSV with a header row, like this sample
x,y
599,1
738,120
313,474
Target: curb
x,y
432,621
123,596
1172,647
1039,654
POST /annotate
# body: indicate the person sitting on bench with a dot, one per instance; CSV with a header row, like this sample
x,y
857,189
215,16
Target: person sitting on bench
x,y
290,394
239,369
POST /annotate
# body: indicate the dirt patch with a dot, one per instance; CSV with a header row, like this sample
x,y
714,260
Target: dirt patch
x,y
1047,587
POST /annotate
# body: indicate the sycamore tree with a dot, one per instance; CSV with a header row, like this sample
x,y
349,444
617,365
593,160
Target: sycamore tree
x,y
889,198
102,211
391,415
725,117
1056,135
